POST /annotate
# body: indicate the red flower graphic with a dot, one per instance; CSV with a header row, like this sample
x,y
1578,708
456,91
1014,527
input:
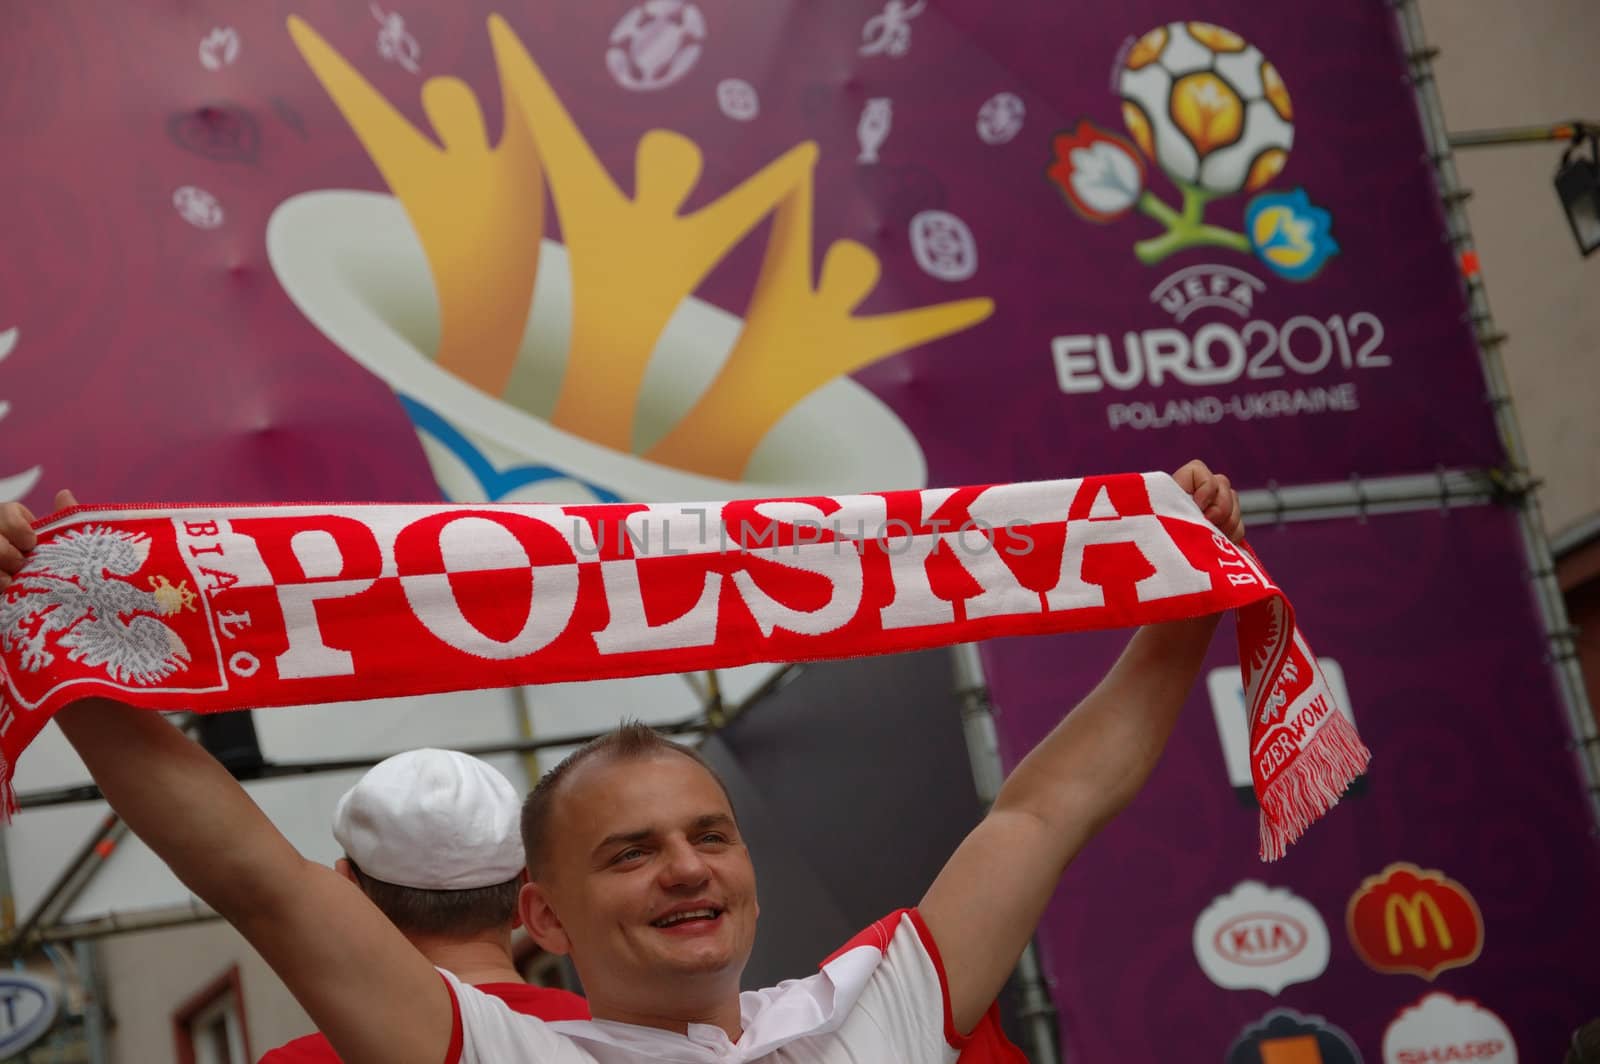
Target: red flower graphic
x,y
1099,173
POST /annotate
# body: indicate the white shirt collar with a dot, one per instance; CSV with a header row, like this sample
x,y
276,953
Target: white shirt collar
x,y
772,1017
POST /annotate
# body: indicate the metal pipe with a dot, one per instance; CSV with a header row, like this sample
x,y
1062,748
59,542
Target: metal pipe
x,y
1576,536
94,1011
88,792
123,923
87,870
8,900
67,976
1037,1011
977,722
1357,497
19,941
1541,568
1493,138
776,681
712,707
523,712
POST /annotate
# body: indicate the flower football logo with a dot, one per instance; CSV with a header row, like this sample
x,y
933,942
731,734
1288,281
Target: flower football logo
x,y
1213,114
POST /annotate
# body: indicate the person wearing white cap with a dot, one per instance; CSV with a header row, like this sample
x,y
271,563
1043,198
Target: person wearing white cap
x,y
432,838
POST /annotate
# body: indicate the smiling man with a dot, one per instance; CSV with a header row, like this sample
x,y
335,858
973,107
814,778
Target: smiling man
x,y
637,871
636,867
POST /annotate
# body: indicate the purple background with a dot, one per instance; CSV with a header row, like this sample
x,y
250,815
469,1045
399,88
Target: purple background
x,y
156,360
1430,617
159,359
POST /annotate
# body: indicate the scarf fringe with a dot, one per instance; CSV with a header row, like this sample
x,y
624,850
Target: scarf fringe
x,y
1311,785
8,794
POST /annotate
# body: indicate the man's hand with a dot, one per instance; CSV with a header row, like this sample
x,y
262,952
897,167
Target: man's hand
x,y
1214,494
16,535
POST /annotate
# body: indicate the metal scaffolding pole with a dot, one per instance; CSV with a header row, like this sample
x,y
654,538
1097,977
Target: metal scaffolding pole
x,y
8,899
1519,484
1037,1011
1495,138
1444,490
94,1009
119,923
60,895
88,792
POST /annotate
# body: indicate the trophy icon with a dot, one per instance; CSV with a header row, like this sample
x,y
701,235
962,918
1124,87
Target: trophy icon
x,y
873,129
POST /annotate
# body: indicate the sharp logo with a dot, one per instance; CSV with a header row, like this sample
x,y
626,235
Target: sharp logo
x,y
1441,1029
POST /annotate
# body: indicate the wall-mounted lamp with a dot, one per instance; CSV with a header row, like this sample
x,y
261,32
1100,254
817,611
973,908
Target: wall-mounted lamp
x,y
1578,185
1577,178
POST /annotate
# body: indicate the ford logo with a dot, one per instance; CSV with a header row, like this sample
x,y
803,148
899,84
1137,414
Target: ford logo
x,y
27,1009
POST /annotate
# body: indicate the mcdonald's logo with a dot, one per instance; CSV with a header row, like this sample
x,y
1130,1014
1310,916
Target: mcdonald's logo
x,y
1406,919
1413,908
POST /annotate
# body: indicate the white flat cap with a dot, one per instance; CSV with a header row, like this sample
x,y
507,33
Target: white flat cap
x,y
432,819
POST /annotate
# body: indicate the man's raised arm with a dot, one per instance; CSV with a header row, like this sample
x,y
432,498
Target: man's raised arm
x,y
374,996
986,903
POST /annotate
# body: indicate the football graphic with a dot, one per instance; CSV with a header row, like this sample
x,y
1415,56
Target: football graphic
x,y
1206,107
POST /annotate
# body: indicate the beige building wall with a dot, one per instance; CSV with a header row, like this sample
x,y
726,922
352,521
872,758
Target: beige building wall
x,y
1511,63
149,975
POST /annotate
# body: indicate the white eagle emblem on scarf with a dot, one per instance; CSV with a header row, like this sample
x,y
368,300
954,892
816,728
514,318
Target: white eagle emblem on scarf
x,y
70,593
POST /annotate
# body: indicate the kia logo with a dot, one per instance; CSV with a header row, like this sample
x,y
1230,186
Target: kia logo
x,y
1260,938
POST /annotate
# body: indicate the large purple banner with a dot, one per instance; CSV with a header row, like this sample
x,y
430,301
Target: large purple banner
x,y
1461,865
717,249
701,249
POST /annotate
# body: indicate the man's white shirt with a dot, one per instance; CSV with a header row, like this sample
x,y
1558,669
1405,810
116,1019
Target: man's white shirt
x,y
880,1000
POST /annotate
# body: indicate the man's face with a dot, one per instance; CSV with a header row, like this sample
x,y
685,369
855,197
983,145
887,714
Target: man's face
x,y
649,879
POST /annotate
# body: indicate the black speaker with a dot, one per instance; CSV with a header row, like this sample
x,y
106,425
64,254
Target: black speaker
x,y
231,739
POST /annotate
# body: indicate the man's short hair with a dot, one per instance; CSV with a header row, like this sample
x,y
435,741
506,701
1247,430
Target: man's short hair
x,y
1585,1047
442,912
630,741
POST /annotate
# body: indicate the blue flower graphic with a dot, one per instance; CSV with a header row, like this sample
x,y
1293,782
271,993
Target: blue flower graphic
x,y
1290,235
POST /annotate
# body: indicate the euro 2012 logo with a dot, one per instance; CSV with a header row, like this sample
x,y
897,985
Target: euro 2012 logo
x,y
1214,115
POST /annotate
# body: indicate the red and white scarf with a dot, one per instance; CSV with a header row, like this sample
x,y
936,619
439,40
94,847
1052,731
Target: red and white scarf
x,y
230,606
